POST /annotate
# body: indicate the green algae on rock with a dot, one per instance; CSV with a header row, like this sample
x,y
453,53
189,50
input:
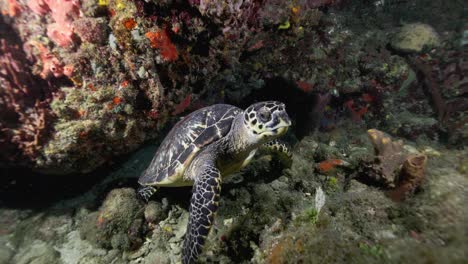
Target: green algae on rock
x,y
412,38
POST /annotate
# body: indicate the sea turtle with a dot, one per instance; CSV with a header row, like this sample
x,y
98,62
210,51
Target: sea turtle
x,y
205,146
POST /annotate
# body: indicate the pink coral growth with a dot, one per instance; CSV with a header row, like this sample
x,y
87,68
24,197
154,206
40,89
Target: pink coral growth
x,y
14,8
50,63
60,34
38,6
24,117
63,12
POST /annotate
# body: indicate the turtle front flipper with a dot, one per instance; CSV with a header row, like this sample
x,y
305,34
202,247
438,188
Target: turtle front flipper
x,y
145,192
281,150
203,206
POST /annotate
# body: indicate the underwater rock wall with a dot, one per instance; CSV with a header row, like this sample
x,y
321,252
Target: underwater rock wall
x,y
89,80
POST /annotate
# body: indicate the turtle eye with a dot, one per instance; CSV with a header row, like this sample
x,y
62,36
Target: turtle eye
x,y
264,115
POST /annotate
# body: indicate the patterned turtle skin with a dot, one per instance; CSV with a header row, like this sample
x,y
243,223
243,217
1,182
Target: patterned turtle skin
x,y
206,146
184,141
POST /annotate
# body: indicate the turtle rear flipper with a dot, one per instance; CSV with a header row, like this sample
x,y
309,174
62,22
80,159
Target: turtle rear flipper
x,y
203,206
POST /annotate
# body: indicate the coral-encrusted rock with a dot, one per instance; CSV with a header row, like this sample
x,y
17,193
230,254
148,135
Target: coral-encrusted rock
x,y
110,226
414,37
92,30
25,119
389,157
393,167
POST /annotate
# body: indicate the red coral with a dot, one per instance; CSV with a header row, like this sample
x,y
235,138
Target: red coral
x,y
153,114
160,40
117,100
305,86
356,112
330,165
129,23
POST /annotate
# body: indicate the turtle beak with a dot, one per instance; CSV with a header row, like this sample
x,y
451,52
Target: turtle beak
x,y
285,121
284,124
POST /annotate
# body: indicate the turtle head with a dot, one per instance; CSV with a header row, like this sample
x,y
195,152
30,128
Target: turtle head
x,y
267,120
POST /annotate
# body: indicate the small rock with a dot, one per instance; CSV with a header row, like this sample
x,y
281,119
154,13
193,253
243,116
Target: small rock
x,y
181,226
119,207
430,152
279,185
412,38
115,216
385,234
135,233
120,241
228,222
154,212
37,253
5,252
319,199
356,187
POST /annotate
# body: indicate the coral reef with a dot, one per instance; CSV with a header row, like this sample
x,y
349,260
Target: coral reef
x,y
83,83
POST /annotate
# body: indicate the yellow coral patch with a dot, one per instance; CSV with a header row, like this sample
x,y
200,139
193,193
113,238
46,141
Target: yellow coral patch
x,y
103,2
285,25
120,4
